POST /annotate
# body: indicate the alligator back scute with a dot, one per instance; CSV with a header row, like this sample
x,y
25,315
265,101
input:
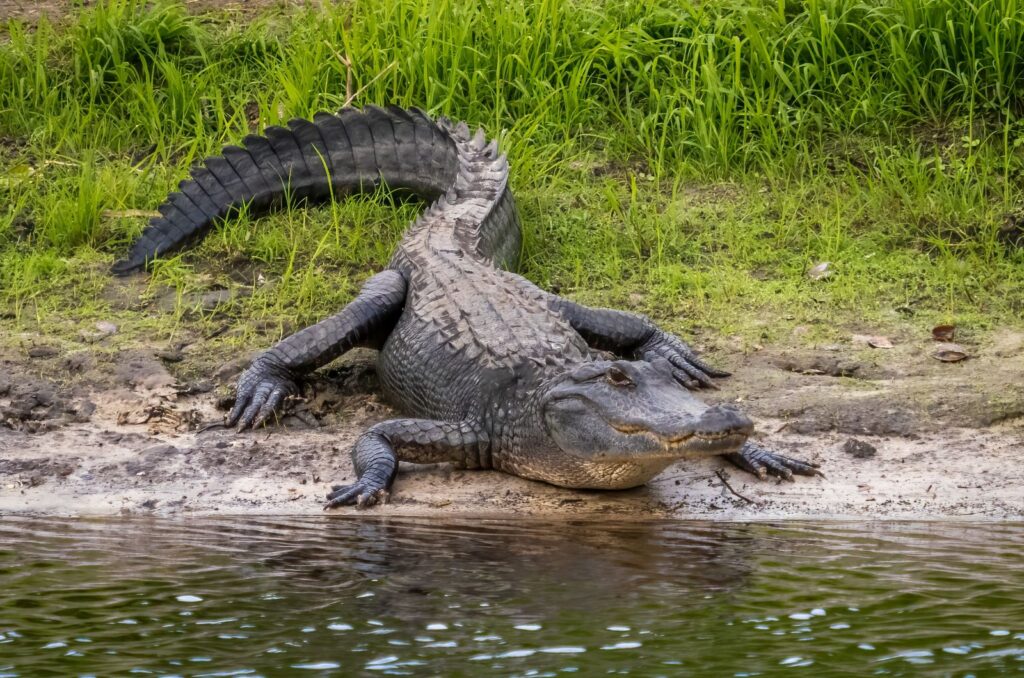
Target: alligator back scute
x,y
317,159
266,160
385,143
245,167
359,135
339,152
293,167
228,179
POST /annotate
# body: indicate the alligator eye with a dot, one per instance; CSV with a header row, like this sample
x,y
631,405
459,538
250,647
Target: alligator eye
x,y
617,377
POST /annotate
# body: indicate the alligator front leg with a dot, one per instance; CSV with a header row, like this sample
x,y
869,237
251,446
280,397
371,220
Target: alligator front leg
x,y
634,336
423,441
762,462
273,376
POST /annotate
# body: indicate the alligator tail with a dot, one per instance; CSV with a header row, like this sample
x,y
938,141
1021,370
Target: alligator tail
x,y
333,156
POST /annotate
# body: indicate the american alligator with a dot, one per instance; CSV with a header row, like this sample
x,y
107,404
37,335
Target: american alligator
x,y
493,371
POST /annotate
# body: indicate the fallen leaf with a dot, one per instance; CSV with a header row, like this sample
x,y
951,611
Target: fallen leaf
x,y
874,341
944,333
950,353
820,271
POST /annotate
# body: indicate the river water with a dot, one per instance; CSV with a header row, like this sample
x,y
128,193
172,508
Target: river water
x,y
364,595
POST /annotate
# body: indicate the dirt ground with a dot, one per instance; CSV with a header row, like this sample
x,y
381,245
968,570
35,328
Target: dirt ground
x,y
101,425
32,10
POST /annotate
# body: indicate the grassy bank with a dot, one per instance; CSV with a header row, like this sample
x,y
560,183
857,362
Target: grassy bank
x,y
689,159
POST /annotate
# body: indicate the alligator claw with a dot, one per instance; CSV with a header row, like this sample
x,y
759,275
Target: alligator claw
x,y
763,462
688,369
360,493
262,389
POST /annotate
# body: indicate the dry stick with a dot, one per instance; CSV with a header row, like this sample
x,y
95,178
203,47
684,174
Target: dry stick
x,y
375,78
346,61
721,476
351,96
128,214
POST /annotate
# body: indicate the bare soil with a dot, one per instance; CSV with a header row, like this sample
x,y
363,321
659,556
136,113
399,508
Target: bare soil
x,y
30,11
103,424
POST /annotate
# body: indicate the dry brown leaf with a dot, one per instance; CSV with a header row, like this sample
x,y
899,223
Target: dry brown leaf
x,y
874,341
945,333
820,271
950,353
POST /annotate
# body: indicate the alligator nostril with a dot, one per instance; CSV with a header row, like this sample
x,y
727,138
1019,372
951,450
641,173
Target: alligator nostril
x,y
724,419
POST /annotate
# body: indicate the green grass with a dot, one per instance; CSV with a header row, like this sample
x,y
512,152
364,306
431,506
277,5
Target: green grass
x,y
690,159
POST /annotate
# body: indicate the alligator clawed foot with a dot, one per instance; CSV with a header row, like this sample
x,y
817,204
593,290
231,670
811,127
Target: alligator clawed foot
x,y
687,368
362,494
763,463
262,389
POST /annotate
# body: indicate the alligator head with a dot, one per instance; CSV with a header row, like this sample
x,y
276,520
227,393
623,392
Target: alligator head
x,y
610,411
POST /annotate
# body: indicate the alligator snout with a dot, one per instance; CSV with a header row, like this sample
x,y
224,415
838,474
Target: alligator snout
x,y
720,421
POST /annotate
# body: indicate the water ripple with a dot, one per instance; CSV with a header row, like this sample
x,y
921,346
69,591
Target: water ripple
x,y
339,595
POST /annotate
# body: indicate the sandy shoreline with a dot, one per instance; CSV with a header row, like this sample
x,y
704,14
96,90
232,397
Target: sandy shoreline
x,y
91,432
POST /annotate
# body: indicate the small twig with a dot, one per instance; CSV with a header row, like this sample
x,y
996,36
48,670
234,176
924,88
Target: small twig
x,y
721,476
349,98
346,61
128,214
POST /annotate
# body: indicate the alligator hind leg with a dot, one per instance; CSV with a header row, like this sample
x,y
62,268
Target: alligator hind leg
x,y
272,377
762,462
634,336
423,441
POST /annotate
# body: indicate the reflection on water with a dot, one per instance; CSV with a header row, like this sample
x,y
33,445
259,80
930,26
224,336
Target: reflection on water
x,y
365,595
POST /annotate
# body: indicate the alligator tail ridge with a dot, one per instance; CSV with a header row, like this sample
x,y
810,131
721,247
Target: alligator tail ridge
x,y
332,156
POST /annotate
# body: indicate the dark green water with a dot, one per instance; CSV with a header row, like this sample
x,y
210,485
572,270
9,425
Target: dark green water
x,y
366,596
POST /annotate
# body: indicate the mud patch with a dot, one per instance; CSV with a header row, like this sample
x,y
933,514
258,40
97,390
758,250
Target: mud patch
x,y
901,392
142,370
37,406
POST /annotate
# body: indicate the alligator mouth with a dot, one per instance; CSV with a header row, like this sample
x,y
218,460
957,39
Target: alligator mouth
x,y
717,442
710,441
